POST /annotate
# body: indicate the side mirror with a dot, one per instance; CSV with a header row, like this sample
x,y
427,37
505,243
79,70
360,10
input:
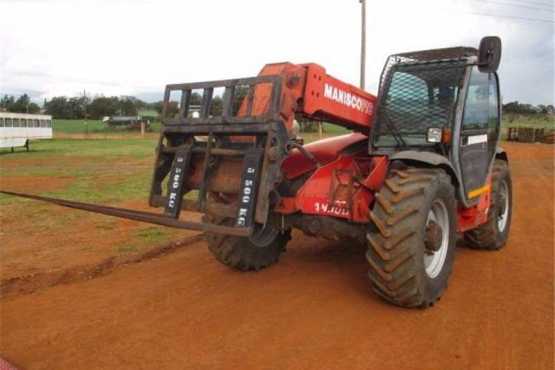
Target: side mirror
x,y
489,54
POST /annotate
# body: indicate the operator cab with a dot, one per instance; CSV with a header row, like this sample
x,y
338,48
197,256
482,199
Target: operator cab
x,y
446,103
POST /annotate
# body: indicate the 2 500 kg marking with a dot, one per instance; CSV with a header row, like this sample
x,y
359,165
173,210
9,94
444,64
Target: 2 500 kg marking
x,y
246,197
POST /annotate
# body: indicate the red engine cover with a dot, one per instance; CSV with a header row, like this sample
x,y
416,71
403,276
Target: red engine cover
x,y
343,184
325,151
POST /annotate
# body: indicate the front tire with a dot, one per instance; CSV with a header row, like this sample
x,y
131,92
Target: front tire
x,y
493,234
241,254
411,243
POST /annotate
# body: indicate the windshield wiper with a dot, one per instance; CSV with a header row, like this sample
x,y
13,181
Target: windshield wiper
x,y
394,131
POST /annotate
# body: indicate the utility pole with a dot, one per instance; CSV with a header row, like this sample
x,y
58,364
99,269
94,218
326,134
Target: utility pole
x,y
363,45
85,113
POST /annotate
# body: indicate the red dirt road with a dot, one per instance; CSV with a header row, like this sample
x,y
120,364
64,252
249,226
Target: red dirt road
x,y
313,310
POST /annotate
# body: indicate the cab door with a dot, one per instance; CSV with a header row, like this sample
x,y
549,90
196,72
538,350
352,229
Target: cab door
x,y
479,132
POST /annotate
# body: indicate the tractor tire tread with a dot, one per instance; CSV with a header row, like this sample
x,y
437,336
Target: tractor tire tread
x,y
392,247
239,253
485,236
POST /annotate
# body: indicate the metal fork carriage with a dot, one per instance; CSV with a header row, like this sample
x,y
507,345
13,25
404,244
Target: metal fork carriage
x,y
245,130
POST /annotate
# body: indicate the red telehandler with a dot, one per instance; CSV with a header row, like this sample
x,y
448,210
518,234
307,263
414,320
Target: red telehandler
x,y
421,166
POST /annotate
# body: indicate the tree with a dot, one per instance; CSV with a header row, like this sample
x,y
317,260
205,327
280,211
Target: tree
x,y
58,107
33,108
241,93
546,109
216,108
138,103
127,107
75,107
6,102
103,106
173,108
22,104
157,106
518,108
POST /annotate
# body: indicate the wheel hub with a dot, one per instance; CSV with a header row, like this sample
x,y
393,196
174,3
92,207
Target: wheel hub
x,y
434,236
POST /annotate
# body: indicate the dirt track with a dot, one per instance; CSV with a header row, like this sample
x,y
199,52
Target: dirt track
x,y
313,310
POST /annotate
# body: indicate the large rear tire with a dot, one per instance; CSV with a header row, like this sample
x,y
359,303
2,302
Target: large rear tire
x,y
411,241
493,234
241,254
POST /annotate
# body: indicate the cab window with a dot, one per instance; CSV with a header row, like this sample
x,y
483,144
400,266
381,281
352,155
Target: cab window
x,y
481,108
493,104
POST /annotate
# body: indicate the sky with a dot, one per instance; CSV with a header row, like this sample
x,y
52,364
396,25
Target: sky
x,y
136,47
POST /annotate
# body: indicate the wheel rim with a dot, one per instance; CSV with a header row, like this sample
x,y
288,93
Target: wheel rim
x,y
434,260
503,216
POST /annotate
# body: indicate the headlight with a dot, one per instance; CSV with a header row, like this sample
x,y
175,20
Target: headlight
x,y
434,135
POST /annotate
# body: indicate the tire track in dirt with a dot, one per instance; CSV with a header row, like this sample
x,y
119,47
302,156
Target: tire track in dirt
x,y
32,283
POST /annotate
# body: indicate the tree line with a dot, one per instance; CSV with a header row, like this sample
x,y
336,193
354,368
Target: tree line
x,y
527,109
80,107
95,108
100,106
22,104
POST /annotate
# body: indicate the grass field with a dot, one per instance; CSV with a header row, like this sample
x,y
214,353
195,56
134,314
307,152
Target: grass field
x,y
111,172
510,120
98,170
82,128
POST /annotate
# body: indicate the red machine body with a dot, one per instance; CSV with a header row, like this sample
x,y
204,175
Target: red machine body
x,y
344,178
308,90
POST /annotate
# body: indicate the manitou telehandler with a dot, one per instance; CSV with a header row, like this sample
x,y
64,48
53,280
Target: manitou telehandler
x,y
421,166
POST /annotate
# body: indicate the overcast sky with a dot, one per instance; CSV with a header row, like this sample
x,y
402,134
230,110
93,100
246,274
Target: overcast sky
x,y
135,47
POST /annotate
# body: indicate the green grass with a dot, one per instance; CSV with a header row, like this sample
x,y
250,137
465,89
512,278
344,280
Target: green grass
x,y
152,234
333,130
83,127
96,170
515,121
528,121
100,171
98,148
148,112
76,126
